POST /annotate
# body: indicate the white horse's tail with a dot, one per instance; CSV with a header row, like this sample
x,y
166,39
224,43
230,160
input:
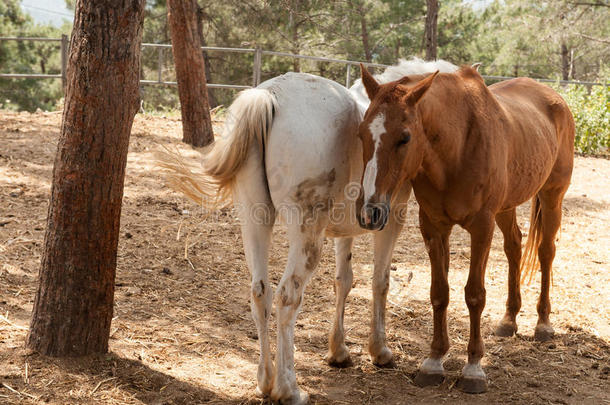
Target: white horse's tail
x,y
248,121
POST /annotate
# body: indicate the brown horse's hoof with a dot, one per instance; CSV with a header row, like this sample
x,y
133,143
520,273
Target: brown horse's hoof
x,y
505,329
425,380
473,385
544,332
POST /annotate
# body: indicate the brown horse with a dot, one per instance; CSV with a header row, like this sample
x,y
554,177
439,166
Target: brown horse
x,y
472,153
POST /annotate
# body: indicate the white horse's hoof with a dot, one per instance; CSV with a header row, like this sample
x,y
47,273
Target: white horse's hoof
x,y
383,359
340,359
298,398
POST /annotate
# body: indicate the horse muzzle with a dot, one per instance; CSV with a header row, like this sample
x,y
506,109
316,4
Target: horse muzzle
x,y
374,215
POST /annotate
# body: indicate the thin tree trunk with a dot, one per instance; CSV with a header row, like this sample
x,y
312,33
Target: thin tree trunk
x,y
74,302
206,61
430,33
190,72
364,32
565,62
294,27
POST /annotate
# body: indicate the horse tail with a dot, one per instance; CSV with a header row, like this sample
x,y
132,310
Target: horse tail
x,y
529,261
247,125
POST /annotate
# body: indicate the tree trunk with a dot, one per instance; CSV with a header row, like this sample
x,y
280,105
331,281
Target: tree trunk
x,y
294,33
565,62
430,29
190,72
365,36
74,302
206,61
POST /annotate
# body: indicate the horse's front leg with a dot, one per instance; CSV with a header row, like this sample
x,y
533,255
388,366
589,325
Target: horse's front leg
x,y
338,353
385,240
303,258
481,230
436,239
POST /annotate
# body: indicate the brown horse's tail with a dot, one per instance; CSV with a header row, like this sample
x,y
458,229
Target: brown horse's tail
x,y
529,260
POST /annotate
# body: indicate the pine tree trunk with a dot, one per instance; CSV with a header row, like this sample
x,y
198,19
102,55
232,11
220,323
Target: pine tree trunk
x,y
364,32
74,302
190,72
565,62
430,28
206,61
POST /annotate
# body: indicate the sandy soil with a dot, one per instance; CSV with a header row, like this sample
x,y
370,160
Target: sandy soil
x,y
182,331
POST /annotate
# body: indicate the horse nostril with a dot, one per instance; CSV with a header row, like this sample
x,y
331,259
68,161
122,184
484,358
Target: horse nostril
x,y
375,215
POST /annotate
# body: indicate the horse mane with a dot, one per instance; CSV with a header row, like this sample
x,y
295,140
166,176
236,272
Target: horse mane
x,y
413,66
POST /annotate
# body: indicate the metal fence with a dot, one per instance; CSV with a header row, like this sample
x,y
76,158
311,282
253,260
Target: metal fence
x,y
256,65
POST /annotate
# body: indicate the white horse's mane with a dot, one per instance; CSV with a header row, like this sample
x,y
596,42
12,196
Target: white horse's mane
x,y
403,68
413,67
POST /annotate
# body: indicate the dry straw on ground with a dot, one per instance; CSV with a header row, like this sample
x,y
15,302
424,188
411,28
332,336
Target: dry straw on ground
x,y
182,332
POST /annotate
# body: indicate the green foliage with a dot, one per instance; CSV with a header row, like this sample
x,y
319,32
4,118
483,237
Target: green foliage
x,y
27,57
591,110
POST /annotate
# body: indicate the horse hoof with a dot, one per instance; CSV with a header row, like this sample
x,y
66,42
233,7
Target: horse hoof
x,y
425,379
544,332
258,393
339,362
473,385
300,398
385,359
505,329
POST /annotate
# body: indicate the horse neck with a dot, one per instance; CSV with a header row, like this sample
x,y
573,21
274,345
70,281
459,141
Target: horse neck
x,y
446,116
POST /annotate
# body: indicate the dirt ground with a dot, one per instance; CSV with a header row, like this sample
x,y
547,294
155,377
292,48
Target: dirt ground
x,y
182,331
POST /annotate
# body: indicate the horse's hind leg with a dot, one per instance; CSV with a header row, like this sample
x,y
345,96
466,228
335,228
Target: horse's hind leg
x,y
338,353
384,246
257,216
550,204
507,222
303,257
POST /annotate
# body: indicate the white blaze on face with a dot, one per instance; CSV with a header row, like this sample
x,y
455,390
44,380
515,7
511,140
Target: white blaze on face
x,y
377,129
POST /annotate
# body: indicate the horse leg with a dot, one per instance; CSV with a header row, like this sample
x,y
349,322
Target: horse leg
x,y
436,239
385,240
507,222
303,258
550,204
338,353
473,379
257,217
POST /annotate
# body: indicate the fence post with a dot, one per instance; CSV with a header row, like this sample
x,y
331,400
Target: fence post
x,y
64,60
256,69
348,75
160,65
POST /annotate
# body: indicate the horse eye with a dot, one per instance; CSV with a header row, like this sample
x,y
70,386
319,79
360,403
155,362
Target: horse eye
x,y
406,137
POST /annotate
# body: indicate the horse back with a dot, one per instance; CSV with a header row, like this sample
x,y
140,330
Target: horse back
x,y
539,131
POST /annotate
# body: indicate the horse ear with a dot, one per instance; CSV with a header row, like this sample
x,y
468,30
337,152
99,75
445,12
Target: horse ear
x,y
476,66
418,91
370,84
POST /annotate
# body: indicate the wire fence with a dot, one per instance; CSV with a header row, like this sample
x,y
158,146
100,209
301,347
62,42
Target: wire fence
x,y
257,57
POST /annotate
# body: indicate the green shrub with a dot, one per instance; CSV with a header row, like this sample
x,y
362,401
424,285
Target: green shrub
x,y
591,112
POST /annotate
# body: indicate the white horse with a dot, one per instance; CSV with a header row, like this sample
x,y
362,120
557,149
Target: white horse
x,y
290,152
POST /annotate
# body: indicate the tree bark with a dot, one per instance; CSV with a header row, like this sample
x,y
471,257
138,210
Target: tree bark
x,y
74,303
206,61
190,72
565,62
364,32
430,33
